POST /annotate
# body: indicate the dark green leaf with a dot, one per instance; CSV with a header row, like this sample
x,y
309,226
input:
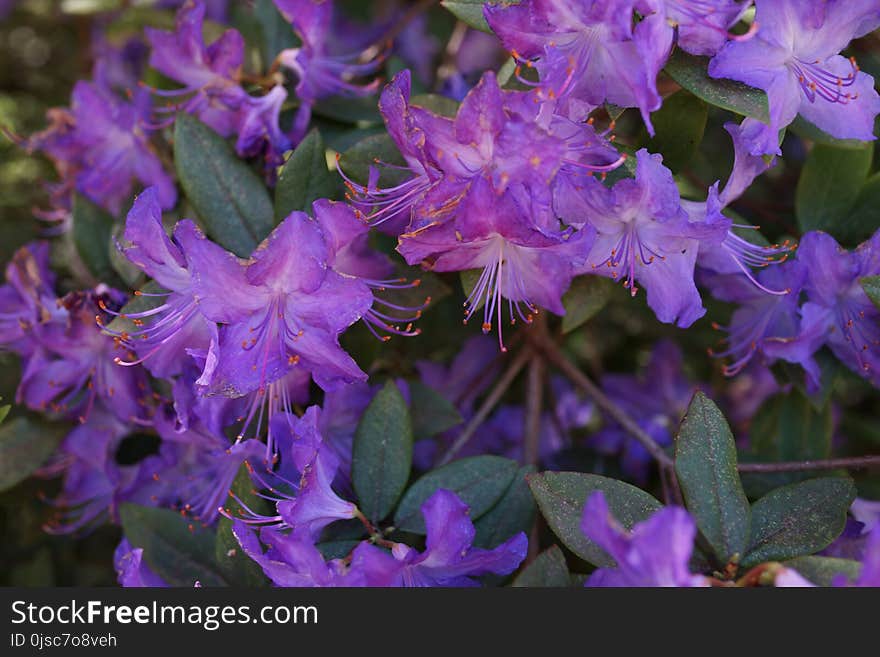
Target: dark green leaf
x,y
336,549
355,111
382,453
236,567
4,411
228,196
469,12
692,74
513,513
431,412
790,428
304,178
864,218
358,159
548,570
278,35
806,130
586,297
24,446
92,228
871,286
479,481
561,497
799,519
830,184
705,464
177,549
441,105
679,126
822,571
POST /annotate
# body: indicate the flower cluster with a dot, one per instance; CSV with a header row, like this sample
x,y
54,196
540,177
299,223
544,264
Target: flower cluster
x,y
242,387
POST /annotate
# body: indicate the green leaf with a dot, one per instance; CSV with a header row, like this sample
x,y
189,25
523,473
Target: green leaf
x,y
705,464
336,549
830,184
479,481
358,159
871,286
679,126
561,497
548,570
513,513
382,453
230,199
431,412
4,411
92,228
354,111
822,571
24,446
584,299
692,74
304,178
864,218
442,105
806,130
798,519
469,12
278,35
179,550
790,428
236,567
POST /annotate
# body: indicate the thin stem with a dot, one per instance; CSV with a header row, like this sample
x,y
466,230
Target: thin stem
x,y
573,373
534,401
488,404
854,462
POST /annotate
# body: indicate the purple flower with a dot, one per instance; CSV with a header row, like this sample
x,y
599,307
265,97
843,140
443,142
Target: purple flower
x,y
74,367
589,53
528,267
94,484
131,569
289,312
291,560
304,499
321,69
449,558
506,137
210,73
101,146
794,57
703,25
657,400
654,553
643,236
175,327
731,253
765,324
27,300
837,312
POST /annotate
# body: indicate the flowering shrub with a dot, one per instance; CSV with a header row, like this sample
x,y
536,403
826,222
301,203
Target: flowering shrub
x,y
238,335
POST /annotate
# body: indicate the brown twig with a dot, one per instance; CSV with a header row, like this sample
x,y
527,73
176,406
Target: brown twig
x,y
489,403
854,462
554,354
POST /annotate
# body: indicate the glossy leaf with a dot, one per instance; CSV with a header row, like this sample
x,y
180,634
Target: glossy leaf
x,y
830,184
799,519
584,299
92,229
382,453
561,497
679,126
25,445
692,73
513,513
304,178
229,198
178,549
235,566
548,570
469,12
705,464
480,481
